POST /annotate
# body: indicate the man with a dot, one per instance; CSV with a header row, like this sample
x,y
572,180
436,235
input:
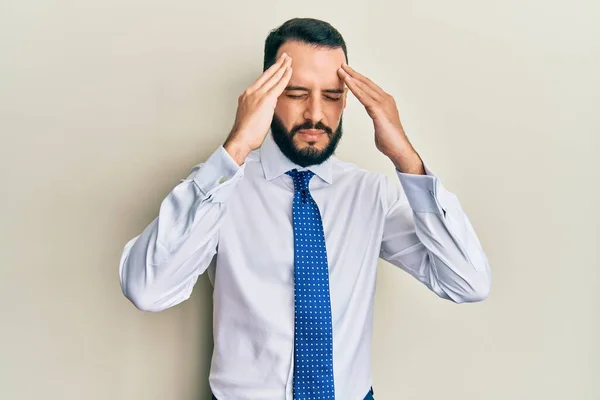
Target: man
x,y
297,232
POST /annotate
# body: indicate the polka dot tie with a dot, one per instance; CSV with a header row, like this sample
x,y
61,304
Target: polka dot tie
x,y
313,347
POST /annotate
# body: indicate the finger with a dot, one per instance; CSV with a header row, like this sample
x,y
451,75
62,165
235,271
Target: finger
x,y
268,73
276,77
361,78
278,88
360,94
364,87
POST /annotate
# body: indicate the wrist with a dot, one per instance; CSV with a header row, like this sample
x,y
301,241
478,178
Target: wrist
x,y
237,150
409,164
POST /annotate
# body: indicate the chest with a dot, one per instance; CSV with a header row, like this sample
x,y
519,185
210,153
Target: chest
x,y
258,225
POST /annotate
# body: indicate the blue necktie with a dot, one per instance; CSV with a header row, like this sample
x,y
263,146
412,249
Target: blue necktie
x,y
313,347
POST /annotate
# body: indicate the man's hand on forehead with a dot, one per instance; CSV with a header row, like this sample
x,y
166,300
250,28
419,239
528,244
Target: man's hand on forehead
x,y
390,138
256,107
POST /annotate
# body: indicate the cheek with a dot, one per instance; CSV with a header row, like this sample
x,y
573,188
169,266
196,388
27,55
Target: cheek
x,y
334,112
288,112
281,104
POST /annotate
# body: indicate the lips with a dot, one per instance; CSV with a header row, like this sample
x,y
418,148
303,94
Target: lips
x,y
311,133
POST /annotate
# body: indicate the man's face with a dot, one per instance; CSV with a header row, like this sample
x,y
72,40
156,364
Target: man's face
x,y
307,124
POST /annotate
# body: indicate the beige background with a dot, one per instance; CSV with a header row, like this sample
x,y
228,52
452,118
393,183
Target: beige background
x,y
106,104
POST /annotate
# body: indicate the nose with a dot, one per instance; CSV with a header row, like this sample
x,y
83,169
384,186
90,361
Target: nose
x,y
314,110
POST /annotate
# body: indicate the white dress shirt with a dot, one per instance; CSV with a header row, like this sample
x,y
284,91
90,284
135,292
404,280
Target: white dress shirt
x,y
243,216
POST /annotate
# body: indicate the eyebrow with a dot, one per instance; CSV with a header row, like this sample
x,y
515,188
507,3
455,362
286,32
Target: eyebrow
x,y
301,88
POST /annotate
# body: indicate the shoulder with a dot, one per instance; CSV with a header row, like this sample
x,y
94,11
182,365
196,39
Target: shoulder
x,y
253,157
347,169
385,186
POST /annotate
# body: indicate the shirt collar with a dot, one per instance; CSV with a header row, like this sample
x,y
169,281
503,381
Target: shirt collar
x,y
275,163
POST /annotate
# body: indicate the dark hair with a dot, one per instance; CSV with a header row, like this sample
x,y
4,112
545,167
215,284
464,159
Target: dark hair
x,y
305,30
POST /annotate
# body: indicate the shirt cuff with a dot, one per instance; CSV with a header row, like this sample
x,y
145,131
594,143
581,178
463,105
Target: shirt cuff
x,y
421,191
216,176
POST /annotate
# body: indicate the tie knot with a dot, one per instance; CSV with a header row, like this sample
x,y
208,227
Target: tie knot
x,y
301,178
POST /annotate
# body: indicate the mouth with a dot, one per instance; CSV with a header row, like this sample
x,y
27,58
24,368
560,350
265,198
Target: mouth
x,y
311,134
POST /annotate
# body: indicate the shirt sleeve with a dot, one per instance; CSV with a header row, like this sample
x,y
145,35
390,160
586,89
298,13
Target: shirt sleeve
x,y
159,267
427,234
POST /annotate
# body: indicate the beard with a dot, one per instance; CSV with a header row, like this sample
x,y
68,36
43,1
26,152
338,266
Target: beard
x,y
309,155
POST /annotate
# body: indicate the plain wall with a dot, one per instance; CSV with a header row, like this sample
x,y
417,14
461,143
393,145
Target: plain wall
x,y
106,105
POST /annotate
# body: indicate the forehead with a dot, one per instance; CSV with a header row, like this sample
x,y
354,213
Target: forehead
x,y
314,66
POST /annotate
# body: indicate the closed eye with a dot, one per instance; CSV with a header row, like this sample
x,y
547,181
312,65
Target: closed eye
x,y
296,97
